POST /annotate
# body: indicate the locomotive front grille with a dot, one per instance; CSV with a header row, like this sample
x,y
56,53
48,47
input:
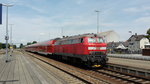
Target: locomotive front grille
x,y
97,53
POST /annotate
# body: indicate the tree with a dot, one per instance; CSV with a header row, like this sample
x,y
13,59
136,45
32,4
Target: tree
x,y
34,42
148,31
0,45
148,34
8,45
14,46
21,45
3,46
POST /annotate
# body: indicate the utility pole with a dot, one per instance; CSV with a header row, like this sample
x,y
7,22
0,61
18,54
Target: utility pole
x,y
7,37
49,36
130,46
97,20
62,31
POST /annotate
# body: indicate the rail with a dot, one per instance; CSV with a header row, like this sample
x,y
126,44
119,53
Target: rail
x,y
137,72
122,73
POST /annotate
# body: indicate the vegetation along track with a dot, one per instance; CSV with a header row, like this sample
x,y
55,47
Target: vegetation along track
x,y
96,76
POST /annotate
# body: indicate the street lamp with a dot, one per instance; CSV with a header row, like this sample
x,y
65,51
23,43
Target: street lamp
x,y
7,37
11,44
97,20
130,32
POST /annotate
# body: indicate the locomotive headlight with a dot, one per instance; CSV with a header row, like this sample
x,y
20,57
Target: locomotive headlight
x,y
102,48
91,48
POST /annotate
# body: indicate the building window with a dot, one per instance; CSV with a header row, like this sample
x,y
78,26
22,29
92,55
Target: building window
x,y
131,43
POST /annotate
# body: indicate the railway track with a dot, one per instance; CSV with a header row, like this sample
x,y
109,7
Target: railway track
x,y
80,75
96,76
125,78
131,71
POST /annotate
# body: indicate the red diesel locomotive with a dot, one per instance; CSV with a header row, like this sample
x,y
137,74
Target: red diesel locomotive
x,y
88,49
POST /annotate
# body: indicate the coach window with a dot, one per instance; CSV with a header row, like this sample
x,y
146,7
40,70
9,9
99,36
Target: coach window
x,y
70,41
73,41
60,42
67,42
64,42
77,40
56,43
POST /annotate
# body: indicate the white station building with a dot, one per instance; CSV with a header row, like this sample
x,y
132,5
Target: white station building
x,y
110,36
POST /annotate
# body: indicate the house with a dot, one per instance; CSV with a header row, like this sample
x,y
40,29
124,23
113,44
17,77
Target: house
x,y
114,47
109,36
137,42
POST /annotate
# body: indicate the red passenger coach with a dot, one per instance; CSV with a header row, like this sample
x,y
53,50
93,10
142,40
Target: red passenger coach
x,y
89,49
46,47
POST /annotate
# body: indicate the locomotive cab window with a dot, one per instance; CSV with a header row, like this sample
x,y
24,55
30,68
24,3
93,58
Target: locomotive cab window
x,y
92,40
95,40
100,40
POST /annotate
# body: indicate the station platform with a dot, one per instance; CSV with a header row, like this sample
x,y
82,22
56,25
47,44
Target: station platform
x,y
2,51
22,70
130,56
141,64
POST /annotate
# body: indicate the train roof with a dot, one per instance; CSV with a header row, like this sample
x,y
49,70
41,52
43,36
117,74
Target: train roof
x,y
43,43
80,36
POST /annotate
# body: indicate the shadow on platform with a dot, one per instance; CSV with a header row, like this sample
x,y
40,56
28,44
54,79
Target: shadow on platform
x,y
4,82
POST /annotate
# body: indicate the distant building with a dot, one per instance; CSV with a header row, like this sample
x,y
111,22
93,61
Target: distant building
x,y
146,51
137,42
114,47
110,36
147,46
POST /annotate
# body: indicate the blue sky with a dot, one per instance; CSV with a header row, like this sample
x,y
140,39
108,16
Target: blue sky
x,y
43,19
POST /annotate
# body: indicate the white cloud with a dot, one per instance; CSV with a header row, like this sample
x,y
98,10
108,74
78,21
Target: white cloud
x,y
42,33
35,8
109,24
131,10
76,23
137,9
147,14
80,1
145,8
43,28
81,19
26,3
143,20
140,25
23,40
